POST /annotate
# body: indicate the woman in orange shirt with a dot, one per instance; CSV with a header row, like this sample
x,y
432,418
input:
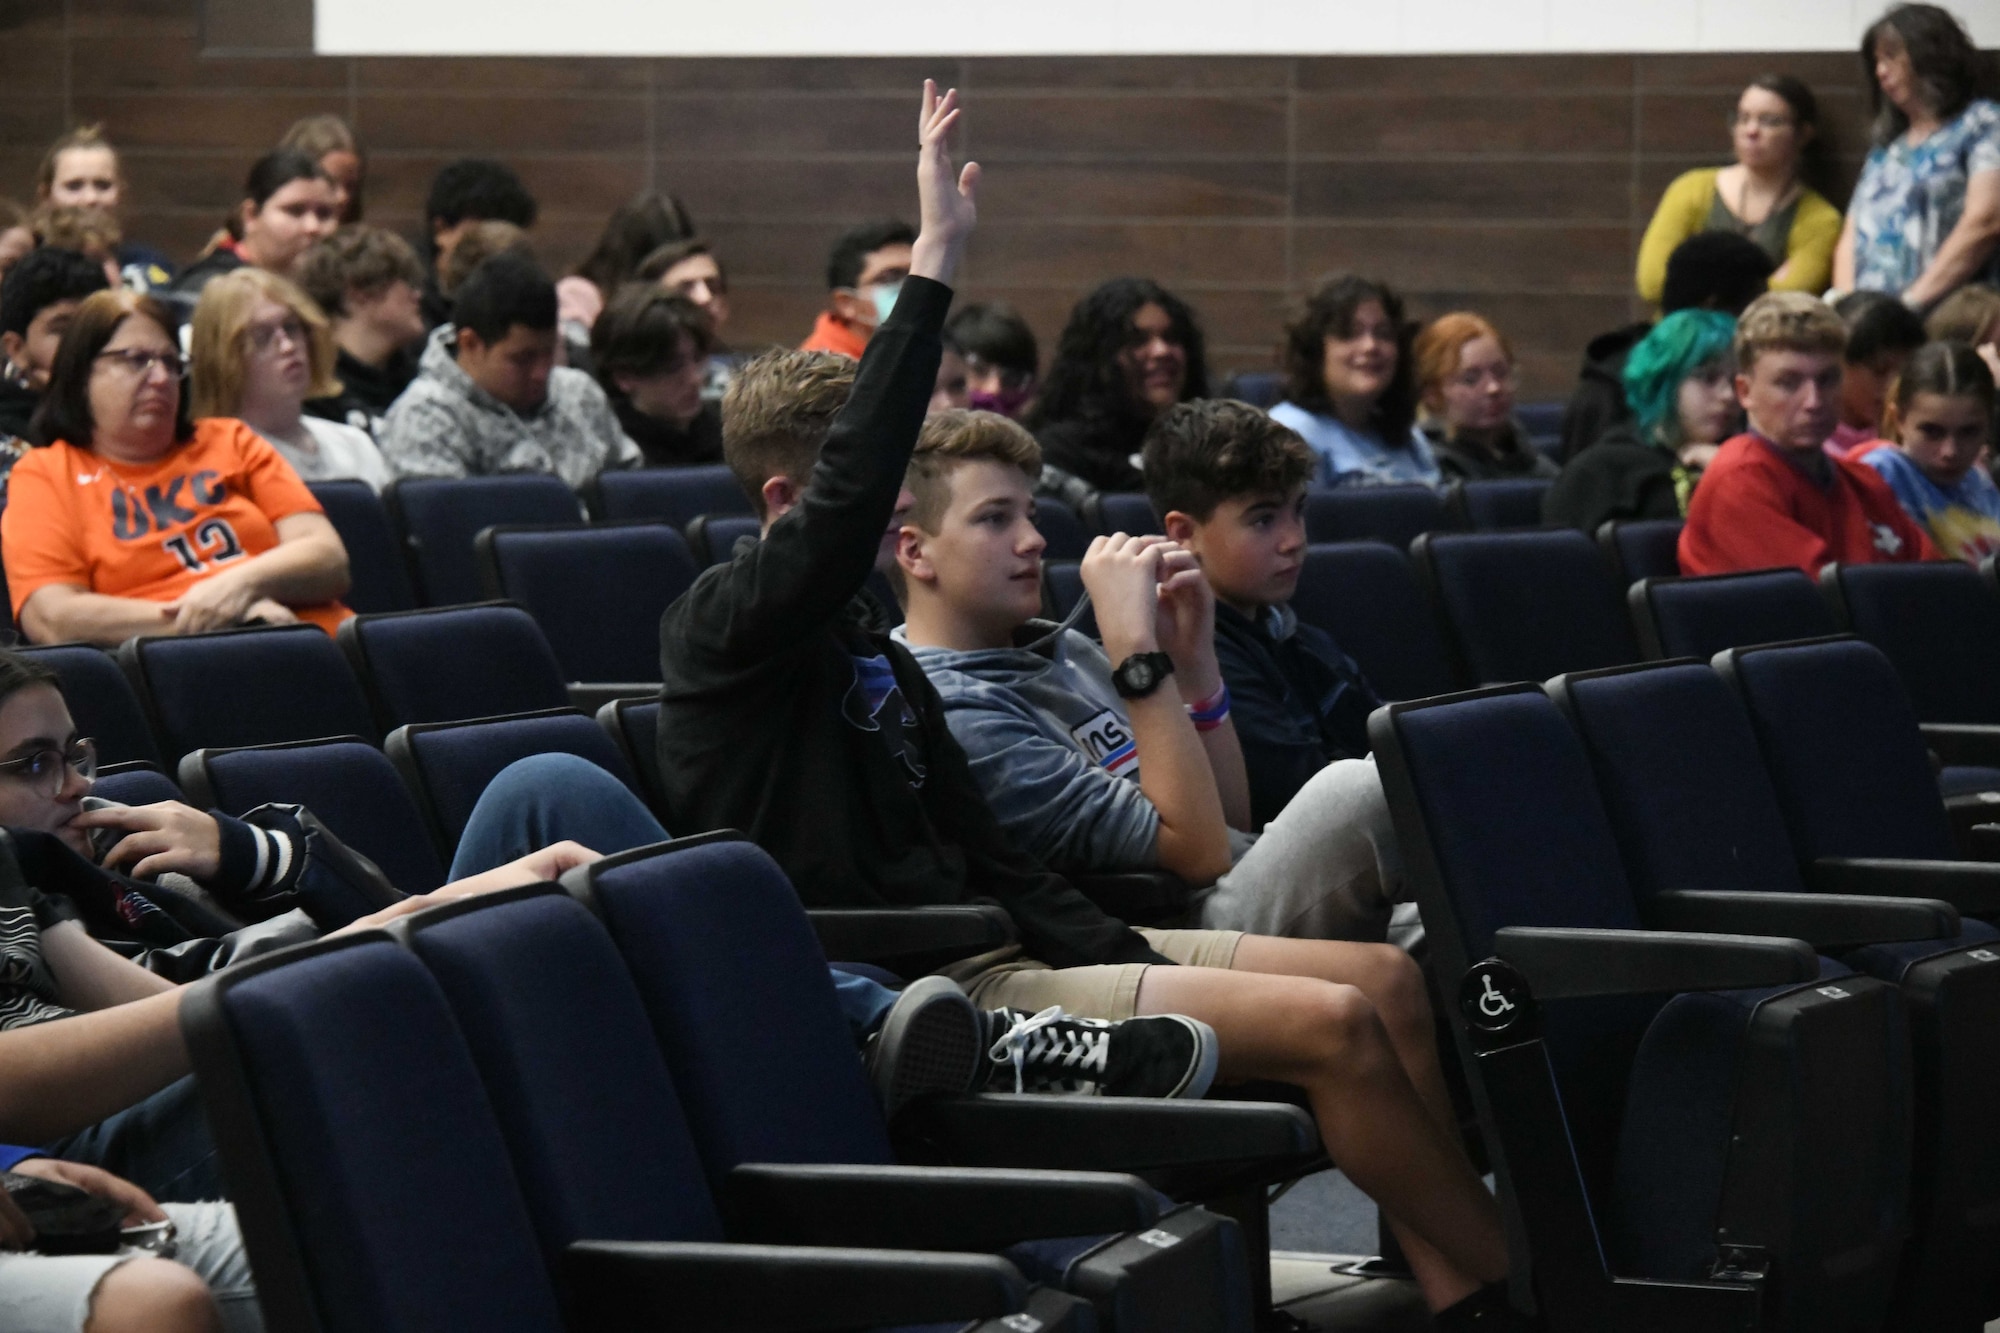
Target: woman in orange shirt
x,y
136,521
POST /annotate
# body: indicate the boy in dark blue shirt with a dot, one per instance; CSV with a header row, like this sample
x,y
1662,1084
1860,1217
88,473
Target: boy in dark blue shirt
x,y
1231,485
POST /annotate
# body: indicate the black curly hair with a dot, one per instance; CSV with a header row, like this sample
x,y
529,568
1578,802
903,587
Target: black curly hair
x,y
1085,380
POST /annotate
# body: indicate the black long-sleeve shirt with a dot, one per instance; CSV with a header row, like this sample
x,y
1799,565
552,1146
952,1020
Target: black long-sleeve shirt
x,y
823,740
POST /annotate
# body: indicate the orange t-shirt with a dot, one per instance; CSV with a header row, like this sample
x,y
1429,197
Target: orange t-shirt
x,y
150,530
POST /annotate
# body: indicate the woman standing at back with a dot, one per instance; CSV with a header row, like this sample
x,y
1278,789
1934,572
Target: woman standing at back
x,y
1766,194
1925,217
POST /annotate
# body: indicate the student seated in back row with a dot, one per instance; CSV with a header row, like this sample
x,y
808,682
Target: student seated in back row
x,y
1086,774
785,715
1940,419
1775,496
369,283
489,396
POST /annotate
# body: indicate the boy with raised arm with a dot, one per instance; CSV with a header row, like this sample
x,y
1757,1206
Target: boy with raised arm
x,y
786,716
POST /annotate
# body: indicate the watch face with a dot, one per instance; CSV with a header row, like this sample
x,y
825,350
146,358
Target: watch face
x,y
1137,674
1141,673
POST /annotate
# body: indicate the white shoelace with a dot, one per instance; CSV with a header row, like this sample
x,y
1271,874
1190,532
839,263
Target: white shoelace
x,y
1029,1038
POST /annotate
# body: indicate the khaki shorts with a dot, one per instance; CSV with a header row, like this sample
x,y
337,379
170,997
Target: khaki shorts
x,y
1004,979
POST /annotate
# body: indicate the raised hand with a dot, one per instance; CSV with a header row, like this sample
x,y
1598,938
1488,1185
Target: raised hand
x,y
947,200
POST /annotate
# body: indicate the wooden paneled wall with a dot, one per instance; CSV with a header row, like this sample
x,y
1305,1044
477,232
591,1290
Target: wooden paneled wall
x,y
1514,185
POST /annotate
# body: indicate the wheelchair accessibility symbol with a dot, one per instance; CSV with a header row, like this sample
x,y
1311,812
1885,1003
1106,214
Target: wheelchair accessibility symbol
x,y
1491,1002
1493,997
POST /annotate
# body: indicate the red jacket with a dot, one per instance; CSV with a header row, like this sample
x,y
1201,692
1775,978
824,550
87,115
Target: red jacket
x,y
1755,510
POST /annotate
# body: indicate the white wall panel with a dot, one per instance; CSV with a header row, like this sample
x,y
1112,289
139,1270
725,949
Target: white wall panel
x,y
1097,27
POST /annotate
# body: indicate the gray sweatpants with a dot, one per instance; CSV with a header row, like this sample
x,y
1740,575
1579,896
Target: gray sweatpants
x,y
1327,868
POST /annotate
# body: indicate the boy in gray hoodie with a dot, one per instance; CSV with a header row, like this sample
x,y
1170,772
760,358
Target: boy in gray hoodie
x,y
1085,776
489,398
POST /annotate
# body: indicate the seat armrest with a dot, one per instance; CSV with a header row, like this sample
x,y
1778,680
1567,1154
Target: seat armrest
x,y
1964,743
1973,887
694,1287
928,1207
1109,1133
1823,920
1564,963
863,934
589,696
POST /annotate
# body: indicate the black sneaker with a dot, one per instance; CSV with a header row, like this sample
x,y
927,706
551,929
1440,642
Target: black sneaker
x,y
1166,1056
931,1042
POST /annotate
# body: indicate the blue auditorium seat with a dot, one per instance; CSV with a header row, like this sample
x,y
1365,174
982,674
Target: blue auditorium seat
x,y
598,592
1509,502
452,663
375,558
100,700
713,537
1695,814
1525,605
1543,422
1938,622
1060,527
1397,515
1641,548
1121,511
801,1096
134,783
254,686
1845,751
1365,594
673,495
1700,616
449,764
1259,388
403,1211
634,726
1619,1066
351,788
1062,589
620,1161
391,1213
440,517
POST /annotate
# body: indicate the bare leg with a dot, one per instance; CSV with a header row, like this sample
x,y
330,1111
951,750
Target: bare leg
x,y
1327,1038
148,1295
1394,984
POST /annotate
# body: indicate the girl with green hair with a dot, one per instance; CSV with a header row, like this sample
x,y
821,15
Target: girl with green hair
x,y
1679,381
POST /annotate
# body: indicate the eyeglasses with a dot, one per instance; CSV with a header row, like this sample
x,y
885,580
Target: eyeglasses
x,y
139,361
1745,119
263,337
47,770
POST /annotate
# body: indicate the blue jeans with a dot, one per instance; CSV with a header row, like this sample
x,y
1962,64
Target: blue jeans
x,y
161,1144
549,798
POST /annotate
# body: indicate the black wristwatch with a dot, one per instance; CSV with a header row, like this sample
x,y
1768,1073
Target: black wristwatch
x,y
1141,673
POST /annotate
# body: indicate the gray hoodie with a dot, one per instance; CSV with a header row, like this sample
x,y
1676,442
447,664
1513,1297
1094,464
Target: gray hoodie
x,y
444,425
1051,746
